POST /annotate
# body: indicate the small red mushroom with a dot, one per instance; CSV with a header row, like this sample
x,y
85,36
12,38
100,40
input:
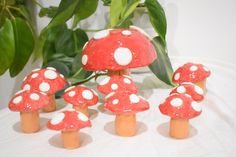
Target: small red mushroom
x,y
191,89
191,72
28,103
118,50
69,123
80,97
125,105
46,80
181,108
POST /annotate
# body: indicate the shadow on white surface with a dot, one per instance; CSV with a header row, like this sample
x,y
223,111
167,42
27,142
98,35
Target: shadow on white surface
x,y
109,127
55,140
163,129
93,114
103,110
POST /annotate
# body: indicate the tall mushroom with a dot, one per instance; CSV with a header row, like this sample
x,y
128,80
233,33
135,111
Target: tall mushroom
x,y
28,103
46,80
69,123
181,108
80,97
118,50
191,72
125,105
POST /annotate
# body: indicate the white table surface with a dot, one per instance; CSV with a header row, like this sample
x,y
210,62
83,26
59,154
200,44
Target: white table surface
x,y
213,133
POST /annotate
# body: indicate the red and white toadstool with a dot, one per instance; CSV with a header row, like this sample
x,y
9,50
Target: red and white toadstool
x,y
191,72
28,103
118,50
191,89
69,123
181,108
46,80
116,83
80,97
125,105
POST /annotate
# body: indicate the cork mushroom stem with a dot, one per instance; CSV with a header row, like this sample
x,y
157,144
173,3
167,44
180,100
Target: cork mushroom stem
x,y
29,121
119,72
52,104
70,139
84,110
179,128
125,124
202,84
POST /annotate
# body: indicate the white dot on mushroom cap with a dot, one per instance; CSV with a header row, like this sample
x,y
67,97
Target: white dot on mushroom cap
x,y
109,95
35,70
82,117
20,91
126,32
26,87
188,95
62,76
85,44
50,74
177,76
57,119
198,90
176,102
44,87
114,86
95,92
35,75
51,68
115,101
71,93
25,78
127,76
104,81
84,59
134,98
205,68
18,99
69,88
87,94
196,106
123,56
34,96
101,34
193,68
181,89
126,80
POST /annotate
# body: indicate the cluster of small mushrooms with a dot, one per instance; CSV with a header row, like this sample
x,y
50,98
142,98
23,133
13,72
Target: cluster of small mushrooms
x,y
115,51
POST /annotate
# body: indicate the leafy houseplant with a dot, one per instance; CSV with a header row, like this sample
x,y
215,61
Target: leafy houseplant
x,y
61,46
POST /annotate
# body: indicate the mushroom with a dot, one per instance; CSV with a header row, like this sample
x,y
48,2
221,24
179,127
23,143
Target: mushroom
x,y
114,83
80,97
181,108
191,72
118,50
125,105
28,103
46,80
69,123
191,89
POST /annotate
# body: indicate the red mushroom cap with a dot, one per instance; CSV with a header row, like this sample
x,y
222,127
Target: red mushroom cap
x,y
126,102
26,100
114,83
180,106
69,121
80,96
191,89
118,49
46,80
191,72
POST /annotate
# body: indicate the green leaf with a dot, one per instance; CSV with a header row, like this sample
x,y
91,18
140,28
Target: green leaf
x,y
7,46
61,67
157,17
24,45
48,12
129,9
116,9
161,67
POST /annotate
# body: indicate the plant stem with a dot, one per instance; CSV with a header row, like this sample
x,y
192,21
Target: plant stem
x,y
37,3
9,12
88,79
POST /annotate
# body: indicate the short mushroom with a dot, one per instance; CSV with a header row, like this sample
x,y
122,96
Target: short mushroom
x,y
125,105
28,103
191,72
46,80
118,50
191,89
80,97
181,108
69,123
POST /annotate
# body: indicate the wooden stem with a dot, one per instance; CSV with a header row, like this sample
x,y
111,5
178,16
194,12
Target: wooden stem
x,y
202,85
29,121
83,110
125,124
179,128
119,72
52,104
70,139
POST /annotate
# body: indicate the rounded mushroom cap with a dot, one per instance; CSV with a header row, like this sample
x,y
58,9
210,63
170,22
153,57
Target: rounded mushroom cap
x,y
69,120
80,96
28,100
118,49
116,83
191,89
191,72
46,80
126,102
180,106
